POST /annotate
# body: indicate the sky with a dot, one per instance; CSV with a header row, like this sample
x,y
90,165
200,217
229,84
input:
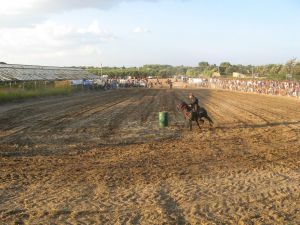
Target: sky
x,y
138,32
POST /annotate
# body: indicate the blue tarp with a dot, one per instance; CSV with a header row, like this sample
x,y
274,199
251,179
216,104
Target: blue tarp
x,y
87,82
76,82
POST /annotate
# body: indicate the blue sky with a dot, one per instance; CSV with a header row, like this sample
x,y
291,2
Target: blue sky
x,y
136,32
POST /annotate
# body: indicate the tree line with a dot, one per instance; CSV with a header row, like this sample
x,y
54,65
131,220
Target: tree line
x,y
204,69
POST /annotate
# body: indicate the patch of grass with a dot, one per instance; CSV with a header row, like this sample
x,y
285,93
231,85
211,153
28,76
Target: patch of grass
x,y
8,95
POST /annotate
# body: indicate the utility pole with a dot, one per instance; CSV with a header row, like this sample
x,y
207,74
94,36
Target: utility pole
x,y
294,65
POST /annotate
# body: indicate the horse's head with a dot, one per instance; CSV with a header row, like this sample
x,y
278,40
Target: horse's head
x,y
182,106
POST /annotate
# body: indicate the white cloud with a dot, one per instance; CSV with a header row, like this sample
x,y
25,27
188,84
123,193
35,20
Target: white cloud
x,y
28,12
141,30
16,7
50,40
19,7
28,35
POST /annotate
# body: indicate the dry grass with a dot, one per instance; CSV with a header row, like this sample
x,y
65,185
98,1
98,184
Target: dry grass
x,y
8,95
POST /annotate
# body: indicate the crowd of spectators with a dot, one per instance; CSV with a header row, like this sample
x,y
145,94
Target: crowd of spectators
x,y
269,87
114,83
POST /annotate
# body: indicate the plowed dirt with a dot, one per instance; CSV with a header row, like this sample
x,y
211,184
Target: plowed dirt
x,y
100,158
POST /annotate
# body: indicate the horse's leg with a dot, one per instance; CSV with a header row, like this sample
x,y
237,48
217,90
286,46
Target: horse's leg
x,y
186,123
210,120
200,115
201,120
190,124
198,123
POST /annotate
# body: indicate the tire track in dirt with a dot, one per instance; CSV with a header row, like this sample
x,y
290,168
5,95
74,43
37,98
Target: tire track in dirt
x,y
269,116
26,113
272,113
243,114
292,128
128,109
263,106
46,122
41,114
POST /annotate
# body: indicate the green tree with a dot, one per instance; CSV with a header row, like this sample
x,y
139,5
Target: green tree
x,y
223,67
202,66
291,65
297,69
191,72
230,69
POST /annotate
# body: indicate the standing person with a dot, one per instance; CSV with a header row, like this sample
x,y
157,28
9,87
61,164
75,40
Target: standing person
x,y
194,103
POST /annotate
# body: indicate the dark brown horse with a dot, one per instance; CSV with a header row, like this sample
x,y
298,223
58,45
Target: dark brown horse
x,y
190,115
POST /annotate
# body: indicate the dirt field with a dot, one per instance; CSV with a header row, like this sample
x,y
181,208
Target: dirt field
x,y
100,158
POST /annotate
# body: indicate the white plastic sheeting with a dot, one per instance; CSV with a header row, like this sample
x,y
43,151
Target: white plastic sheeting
x,y
11,72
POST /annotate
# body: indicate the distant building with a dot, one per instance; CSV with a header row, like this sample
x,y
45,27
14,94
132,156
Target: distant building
x,y
238,75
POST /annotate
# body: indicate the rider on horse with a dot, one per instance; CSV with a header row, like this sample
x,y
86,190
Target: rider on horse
x,y
193,112
194,103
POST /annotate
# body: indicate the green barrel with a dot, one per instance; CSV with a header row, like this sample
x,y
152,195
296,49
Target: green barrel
x,y
163,119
